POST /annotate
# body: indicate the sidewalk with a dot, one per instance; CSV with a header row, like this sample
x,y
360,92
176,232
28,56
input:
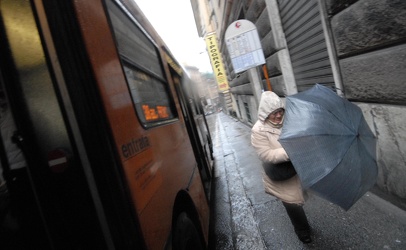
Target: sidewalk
x,y
245,217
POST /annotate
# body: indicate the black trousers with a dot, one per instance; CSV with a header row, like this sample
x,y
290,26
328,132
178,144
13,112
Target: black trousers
x,y
297,216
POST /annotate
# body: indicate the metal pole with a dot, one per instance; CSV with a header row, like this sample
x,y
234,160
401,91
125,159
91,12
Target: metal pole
x,y
256,85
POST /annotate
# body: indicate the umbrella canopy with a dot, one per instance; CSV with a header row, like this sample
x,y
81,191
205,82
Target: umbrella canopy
x,y
330,145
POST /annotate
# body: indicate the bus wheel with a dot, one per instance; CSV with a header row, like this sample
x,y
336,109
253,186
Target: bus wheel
x,y
185,235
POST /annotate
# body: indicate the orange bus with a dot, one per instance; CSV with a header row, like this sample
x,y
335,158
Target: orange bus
x,y
102,144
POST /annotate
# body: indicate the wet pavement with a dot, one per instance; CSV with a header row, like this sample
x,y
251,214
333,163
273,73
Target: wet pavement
x,y
245,217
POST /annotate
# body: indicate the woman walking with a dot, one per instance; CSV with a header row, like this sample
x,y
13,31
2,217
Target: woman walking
x,y
264,138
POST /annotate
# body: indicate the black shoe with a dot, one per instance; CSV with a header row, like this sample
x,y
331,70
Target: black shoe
x,y
304,236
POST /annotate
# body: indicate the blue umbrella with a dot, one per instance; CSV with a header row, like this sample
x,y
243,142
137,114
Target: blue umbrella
x,y
330,145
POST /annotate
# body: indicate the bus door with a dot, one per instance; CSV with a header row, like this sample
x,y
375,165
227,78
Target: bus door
x,y
49,199
55,160
198,139
21,220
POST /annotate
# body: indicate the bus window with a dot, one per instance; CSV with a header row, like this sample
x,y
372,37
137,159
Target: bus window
x,y
150,97
146,80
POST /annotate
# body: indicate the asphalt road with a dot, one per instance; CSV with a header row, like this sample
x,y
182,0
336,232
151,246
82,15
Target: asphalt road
x,y
245,217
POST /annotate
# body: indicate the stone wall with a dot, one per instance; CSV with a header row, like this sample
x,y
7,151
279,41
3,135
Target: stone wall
x,y
370,42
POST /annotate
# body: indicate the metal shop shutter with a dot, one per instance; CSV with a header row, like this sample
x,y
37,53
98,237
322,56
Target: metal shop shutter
x,y
306,43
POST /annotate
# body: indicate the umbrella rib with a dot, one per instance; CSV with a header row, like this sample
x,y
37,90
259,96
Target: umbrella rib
x,y
318,135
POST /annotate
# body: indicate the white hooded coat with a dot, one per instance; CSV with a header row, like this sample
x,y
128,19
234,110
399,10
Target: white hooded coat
x,y
264,138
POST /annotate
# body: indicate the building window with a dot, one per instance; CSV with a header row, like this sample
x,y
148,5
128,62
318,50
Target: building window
x,y
247,111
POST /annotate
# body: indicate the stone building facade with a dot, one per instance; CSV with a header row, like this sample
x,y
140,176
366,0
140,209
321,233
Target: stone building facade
x,y
356,47
369,38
